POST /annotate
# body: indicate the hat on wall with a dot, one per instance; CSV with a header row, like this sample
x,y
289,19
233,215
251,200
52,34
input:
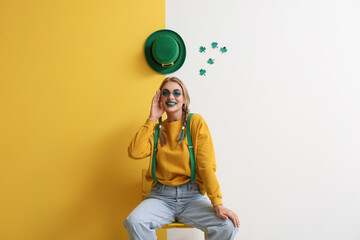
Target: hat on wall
x,y
165,51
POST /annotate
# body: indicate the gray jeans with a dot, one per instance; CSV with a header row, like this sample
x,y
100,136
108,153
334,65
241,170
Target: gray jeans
x,y
166,204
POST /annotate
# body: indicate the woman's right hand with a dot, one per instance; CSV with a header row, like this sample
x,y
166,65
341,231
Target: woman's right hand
x,y
157,108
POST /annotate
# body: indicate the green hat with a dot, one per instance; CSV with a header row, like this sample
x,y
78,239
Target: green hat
x,y
165,51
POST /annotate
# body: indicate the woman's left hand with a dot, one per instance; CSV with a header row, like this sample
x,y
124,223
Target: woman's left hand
x,y
226,213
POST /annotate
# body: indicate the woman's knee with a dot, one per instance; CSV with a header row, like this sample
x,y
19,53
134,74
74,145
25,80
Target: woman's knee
x,y
230,229
132,221
226,230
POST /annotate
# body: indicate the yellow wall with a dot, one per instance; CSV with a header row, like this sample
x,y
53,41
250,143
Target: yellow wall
x,y
74,88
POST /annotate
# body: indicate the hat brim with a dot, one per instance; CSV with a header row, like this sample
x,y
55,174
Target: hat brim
x,y
148,54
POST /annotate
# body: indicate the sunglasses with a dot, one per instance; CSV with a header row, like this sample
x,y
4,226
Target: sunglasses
x,y
166,92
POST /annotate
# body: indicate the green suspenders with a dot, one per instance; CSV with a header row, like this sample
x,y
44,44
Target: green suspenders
x,y
190,146
191,149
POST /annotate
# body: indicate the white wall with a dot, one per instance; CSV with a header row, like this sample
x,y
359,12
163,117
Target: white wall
x,y
283,108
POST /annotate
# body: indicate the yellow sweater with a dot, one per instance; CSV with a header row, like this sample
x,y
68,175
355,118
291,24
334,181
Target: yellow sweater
x,y
173,159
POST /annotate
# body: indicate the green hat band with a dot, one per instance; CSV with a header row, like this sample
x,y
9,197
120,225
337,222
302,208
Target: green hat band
x,y
165,51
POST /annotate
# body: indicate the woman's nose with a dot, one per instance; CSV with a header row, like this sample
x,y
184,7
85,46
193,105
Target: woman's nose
x,y
171,96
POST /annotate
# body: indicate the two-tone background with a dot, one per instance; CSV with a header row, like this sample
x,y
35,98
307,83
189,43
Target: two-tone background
x,y
282,106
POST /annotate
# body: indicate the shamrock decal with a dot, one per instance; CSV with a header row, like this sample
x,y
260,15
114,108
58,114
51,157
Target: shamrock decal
x,y
202,49
211,61
223,49
214,45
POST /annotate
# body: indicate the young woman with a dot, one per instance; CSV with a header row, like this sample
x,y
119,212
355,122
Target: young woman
x,y
178,187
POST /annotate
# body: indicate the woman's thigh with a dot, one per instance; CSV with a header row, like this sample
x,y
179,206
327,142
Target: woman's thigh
x,y
202,215
152,212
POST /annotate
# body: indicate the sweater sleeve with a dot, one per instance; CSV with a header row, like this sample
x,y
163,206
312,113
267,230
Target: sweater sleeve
x,y
140,146
206,163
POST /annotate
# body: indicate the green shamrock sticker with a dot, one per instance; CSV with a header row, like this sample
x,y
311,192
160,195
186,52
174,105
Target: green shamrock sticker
x,y
202,49
214,45
223,49
211,61
202,72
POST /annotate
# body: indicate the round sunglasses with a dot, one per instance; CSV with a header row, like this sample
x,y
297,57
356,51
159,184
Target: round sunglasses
x,y
166,92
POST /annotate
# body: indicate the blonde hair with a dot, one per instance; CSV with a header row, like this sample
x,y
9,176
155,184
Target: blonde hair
x,y
185,111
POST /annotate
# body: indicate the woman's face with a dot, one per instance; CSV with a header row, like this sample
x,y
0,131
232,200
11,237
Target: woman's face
x,y
172,97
